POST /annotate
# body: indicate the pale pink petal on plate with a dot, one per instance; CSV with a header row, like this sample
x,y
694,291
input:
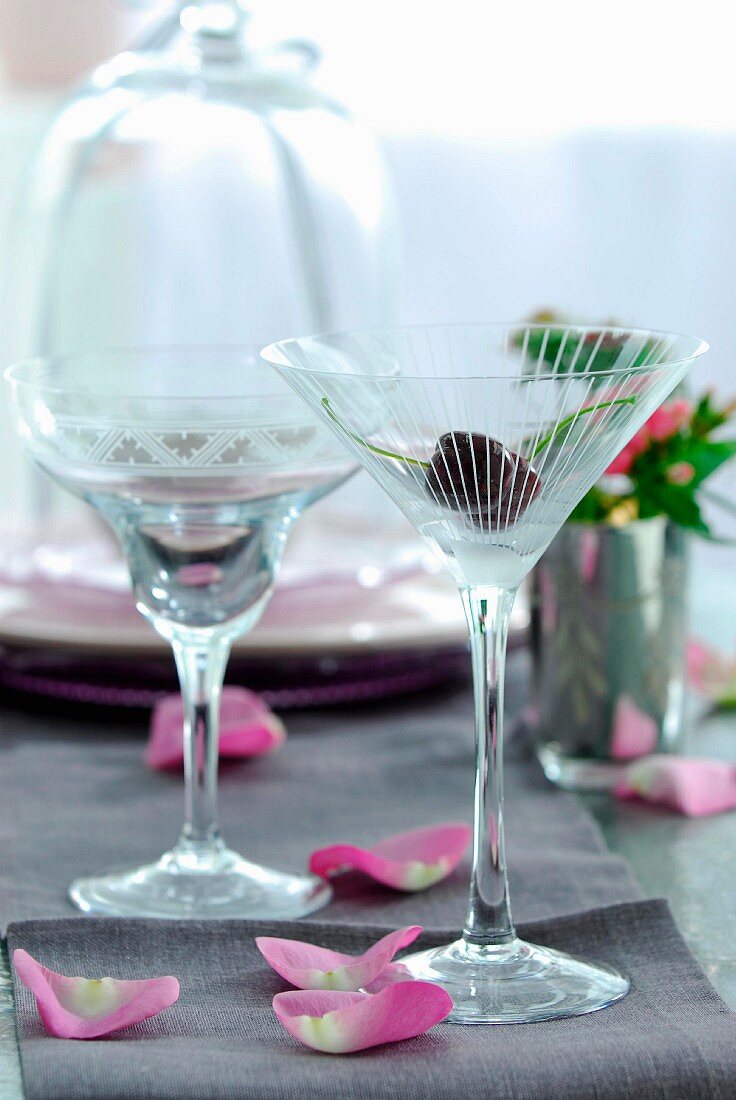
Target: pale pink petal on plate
x,y
84,1008
408,861
341,1023
692,787
634,732
310,967
247,728
199,574
711,673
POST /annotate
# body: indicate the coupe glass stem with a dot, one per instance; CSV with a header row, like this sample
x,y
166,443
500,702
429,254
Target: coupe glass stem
x,y
201,669
488,611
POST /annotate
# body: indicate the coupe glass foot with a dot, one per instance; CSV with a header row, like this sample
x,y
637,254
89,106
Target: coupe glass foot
x,y
189,884
516,983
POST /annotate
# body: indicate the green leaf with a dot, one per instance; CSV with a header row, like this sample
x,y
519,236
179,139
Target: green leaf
x,y
708,455
679,503
594,507
706,418
649,503
567,350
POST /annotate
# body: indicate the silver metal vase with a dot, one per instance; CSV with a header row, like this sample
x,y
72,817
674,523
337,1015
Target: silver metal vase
x,y
609,613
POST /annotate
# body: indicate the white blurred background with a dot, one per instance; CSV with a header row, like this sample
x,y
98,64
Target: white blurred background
x,y
572,154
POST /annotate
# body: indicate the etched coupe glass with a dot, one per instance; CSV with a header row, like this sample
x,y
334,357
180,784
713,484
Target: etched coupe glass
x,y
201,491
487,436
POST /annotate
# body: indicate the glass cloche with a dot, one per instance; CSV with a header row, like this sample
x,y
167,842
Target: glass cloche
x,y
196,189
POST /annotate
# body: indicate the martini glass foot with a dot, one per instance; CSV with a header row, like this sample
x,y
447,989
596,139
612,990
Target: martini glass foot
x,y
516,983
186,885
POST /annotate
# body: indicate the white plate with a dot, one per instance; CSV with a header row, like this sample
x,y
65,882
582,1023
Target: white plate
x,y
379,591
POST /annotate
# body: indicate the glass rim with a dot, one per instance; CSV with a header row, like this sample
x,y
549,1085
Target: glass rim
x,y
699,347
14,373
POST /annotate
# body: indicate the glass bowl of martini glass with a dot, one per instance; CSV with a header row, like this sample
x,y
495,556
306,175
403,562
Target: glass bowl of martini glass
x,y
200,460
487,436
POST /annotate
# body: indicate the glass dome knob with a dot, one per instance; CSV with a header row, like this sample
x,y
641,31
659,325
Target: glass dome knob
x,y
213,17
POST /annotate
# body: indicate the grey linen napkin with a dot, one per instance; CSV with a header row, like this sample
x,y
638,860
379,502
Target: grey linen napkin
x,y
670,1038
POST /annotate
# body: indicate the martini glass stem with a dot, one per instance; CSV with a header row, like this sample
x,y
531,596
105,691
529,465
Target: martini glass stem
x,y
201,668
489,922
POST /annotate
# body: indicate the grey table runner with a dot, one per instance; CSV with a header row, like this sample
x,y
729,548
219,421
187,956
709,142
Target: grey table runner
x,y
77,799
671,1037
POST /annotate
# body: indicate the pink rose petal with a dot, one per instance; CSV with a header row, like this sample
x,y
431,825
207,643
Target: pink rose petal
x,y
340,1023
310,967
634,732
247,728
83,1008
394,972
698,658
408,861
692,787
711,673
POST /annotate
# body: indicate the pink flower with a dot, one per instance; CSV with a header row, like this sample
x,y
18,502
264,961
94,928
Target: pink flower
x,y
86,1008
341,1023
310,967
247,728
691,787
626,458
680,473
664,422
668,420
408,861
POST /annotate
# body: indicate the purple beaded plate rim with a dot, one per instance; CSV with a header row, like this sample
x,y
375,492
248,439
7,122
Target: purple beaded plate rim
x,y
364,684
